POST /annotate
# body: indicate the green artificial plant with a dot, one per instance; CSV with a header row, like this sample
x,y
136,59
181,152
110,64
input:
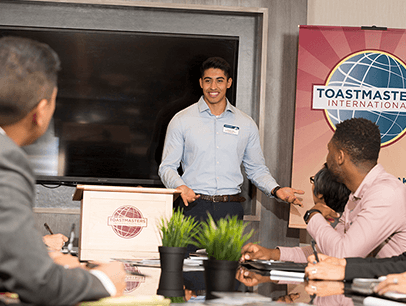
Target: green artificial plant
x,y
223,239
178,231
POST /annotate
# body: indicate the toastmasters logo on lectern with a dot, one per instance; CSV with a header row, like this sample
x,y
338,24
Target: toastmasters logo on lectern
x,y
368,84
127,222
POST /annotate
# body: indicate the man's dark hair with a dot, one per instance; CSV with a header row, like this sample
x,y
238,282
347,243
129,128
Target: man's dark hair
x,y
360,138
335,194
28,74
216,63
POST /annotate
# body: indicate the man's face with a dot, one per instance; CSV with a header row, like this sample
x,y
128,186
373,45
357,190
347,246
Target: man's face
x,y
47,115
331,161
51,108
214,84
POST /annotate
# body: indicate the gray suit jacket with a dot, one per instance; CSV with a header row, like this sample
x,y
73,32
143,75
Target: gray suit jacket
x,y
25,267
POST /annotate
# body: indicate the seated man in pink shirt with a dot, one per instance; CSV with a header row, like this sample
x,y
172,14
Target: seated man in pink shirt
x,y
373,222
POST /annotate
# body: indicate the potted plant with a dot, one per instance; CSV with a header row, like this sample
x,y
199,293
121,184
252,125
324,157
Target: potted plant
x,y
176,233
223,241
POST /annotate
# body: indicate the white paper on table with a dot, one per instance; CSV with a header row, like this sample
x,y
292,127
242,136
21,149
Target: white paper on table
x,y
287,275
374,301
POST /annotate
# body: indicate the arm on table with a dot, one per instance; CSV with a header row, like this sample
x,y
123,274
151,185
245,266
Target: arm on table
x,y
375,222
254,251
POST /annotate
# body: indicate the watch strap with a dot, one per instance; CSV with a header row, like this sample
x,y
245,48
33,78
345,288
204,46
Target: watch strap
x,y
308,213
273,192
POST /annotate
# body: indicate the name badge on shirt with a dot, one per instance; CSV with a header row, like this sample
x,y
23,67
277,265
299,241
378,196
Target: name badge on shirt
x,y
231,129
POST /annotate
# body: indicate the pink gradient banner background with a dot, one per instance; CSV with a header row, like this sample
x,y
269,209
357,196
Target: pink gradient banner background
x,y
320,50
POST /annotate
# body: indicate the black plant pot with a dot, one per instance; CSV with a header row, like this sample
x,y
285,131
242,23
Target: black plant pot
x,y
171,284
171,258
171,279
219,275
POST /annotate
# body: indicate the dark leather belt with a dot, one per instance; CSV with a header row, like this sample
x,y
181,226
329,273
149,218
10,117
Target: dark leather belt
x,y
223,198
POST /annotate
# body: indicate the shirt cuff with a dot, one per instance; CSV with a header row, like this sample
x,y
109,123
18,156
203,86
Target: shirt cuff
x,y
106,282
268,192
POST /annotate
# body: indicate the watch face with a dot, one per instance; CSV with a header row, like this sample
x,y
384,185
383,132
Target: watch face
x,y
307,214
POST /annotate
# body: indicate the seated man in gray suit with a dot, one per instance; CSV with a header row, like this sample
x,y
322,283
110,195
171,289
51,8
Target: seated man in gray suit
x,y
28,87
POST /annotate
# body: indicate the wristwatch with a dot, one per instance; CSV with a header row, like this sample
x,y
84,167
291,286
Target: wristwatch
x,y
308,213
273,192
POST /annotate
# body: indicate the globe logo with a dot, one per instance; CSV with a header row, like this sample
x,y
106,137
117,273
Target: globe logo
x,y
132,282
127,222
370,70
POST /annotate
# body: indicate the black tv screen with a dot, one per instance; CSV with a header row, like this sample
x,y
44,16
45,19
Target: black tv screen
x,y
117,92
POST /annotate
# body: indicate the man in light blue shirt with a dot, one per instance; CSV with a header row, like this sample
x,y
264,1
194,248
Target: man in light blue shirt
x,y
210,139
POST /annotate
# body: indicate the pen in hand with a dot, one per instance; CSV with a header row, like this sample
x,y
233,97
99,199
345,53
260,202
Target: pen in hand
x,y
314,250
48,228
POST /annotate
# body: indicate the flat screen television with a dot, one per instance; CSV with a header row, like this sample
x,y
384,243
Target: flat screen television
x,y
117,91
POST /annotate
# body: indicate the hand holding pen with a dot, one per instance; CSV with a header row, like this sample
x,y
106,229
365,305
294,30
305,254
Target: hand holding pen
x,y
328,268
54,242
48,228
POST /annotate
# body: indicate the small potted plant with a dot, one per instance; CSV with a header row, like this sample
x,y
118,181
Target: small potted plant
x,y
223,241
176,233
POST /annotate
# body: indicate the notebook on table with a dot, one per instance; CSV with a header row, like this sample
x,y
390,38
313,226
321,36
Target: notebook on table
x,y
268,265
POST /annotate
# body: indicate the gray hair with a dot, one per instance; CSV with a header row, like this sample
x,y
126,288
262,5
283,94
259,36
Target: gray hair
x,y
28,74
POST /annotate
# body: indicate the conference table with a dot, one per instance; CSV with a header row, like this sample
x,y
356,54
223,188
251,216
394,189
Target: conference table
x,y
252,288
259,288
298,292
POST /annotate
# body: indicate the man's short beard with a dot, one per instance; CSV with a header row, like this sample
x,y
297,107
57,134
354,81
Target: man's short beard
x,y
334,175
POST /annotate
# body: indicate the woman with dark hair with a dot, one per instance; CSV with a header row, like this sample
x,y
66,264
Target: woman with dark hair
x,y
326,190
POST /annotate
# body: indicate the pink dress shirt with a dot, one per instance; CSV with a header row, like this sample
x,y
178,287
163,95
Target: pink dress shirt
x,y
374,219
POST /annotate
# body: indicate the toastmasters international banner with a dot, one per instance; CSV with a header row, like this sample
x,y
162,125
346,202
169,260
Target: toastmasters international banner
x,y
347,72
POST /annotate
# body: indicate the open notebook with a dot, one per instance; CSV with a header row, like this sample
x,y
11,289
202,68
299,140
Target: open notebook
x,y
269,265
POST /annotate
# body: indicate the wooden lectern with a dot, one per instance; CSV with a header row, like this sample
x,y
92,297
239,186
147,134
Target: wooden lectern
x,y
121,222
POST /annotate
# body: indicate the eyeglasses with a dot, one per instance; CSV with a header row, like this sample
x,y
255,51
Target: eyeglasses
x,y
312,180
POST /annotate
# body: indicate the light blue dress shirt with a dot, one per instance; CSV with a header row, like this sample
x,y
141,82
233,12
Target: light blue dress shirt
x,y
210,150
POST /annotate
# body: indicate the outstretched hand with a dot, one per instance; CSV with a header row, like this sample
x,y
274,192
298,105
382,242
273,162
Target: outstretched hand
x,y
288,194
